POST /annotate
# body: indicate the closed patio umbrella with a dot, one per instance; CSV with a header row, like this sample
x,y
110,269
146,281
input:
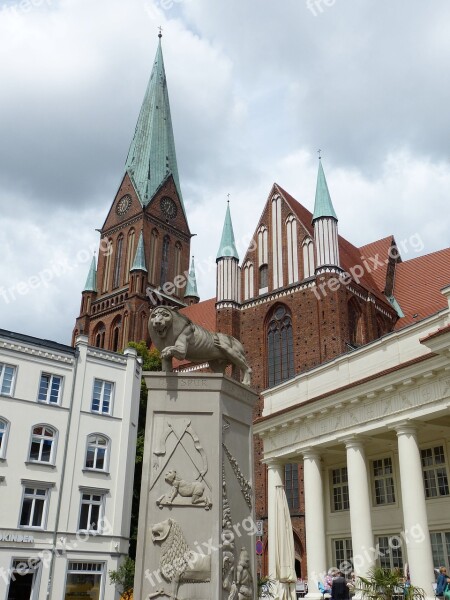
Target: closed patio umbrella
x,y
284,549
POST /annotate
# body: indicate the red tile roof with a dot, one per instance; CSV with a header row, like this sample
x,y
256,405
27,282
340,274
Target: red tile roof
x,y
381,249
203,314
418,284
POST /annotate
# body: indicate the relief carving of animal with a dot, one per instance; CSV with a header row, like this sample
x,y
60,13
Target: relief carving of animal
x,y
195,490
176,336
178,563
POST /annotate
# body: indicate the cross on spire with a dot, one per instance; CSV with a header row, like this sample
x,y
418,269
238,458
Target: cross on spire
x,y
160,32
228,196
319,152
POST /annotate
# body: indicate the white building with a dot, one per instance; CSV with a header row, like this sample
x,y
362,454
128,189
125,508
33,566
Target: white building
x,y
372,429
68,424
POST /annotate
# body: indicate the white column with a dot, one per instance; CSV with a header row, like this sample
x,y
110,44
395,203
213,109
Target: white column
x,y
360,507
314,521
417,536
275,478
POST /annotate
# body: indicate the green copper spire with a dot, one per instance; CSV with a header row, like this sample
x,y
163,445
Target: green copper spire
x,y
323,206
151,158
91,281
139,259
191,287
227,247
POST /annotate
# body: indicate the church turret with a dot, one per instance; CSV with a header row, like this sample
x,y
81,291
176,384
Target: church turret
x,y
325,224
228,271
91,281
138,271
191,294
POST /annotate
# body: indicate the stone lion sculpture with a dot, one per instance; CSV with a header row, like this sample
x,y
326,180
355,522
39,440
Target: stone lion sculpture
x,y
177,562
176,336
195,491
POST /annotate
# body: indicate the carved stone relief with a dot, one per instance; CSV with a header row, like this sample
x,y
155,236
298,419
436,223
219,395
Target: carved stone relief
x,y
178,563
184,493
244,579
245,485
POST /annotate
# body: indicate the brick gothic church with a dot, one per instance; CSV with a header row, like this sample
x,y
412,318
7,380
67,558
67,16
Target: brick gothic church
x,y
302,295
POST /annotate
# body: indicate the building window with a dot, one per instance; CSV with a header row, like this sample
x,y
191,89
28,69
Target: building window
x,y
108,252
434,472
308,258
84,579
4,429
7,373
178,251
383,481
97,453
291,485
339,485
280,347
390,552
34,504
99,335
291,233
343,555
50,388
440,546
43,442
23,577
102,397
248,281
263,279
118,262
91,511
164,260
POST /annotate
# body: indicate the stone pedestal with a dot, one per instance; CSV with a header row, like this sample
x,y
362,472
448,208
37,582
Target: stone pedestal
x,y
196,538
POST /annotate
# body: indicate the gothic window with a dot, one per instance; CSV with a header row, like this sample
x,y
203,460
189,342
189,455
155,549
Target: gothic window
x,y
263,279
118,261
178,250
108,252
308,258
277,243
280,346
165,260
263,256
291,234
248,281
291,485
355,323
99,335
115,334
153,254
130,254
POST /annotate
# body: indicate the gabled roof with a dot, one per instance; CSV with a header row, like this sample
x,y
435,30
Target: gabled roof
x,y
151,157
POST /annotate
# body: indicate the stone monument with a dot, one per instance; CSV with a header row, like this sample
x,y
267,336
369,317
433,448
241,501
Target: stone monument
x,y
196,537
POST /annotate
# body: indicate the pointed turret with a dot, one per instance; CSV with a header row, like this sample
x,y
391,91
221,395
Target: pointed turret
x,y
191,295
325,224
91,281
227,248
228,270
139,263
151,157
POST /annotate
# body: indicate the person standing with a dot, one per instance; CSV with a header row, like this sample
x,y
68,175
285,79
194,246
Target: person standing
x,y
442,581
339,588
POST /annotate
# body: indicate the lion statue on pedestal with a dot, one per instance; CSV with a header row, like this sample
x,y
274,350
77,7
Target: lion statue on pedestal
x,y
176,336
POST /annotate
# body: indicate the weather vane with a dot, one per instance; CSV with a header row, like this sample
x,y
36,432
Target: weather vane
x,y
319,152
228,196
160,31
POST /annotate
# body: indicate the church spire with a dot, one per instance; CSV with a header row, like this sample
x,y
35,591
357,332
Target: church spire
x,y
323,206
191,292
227,247
91,281
151,157
139,259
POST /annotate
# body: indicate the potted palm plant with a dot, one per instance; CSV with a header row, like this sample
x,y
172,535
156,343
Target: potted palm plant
x,y
387,584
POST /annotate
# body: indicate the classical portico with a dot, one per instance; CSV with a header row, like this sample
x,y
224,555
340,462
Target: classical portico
x,y
372,429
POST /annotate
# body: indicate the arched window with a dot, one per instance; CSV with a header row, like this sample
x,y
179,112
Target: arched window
x,y
126,328
130,254
249,291
153,255
280,346
291,235
355,323
178,250
263,279
108,252
43,444
118,261
164,260
308,258
263,260
99,335
277,243
97,452
4,430
115,334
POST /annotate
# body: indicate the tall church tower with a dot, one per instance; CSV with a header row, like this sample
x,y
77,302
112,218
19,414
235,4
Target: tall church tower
x,y
145,240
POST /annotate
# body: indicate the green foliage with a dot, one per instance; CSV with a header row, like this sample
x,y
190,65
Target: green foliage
x,y
385,584
151,361
123,578
266,588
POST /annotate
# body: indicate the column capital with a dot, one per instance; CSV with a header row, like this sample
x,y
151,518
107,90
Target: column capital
x,y
273,463
310,453
406,427
352,441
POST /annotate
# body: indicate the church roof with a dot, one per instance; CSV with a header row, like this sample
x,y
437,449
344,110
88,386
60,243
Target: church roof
x,y
151,157
91,281
227,248
323,207
381,249
139,263
191,287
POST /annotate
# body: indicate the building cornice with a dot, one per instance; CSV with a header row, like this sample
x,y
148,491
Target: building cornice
x,y
29,350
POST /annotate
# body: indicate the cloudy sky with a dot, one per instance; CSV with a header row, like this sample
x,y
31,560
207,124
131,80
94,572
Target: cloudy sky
x,y
256,87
